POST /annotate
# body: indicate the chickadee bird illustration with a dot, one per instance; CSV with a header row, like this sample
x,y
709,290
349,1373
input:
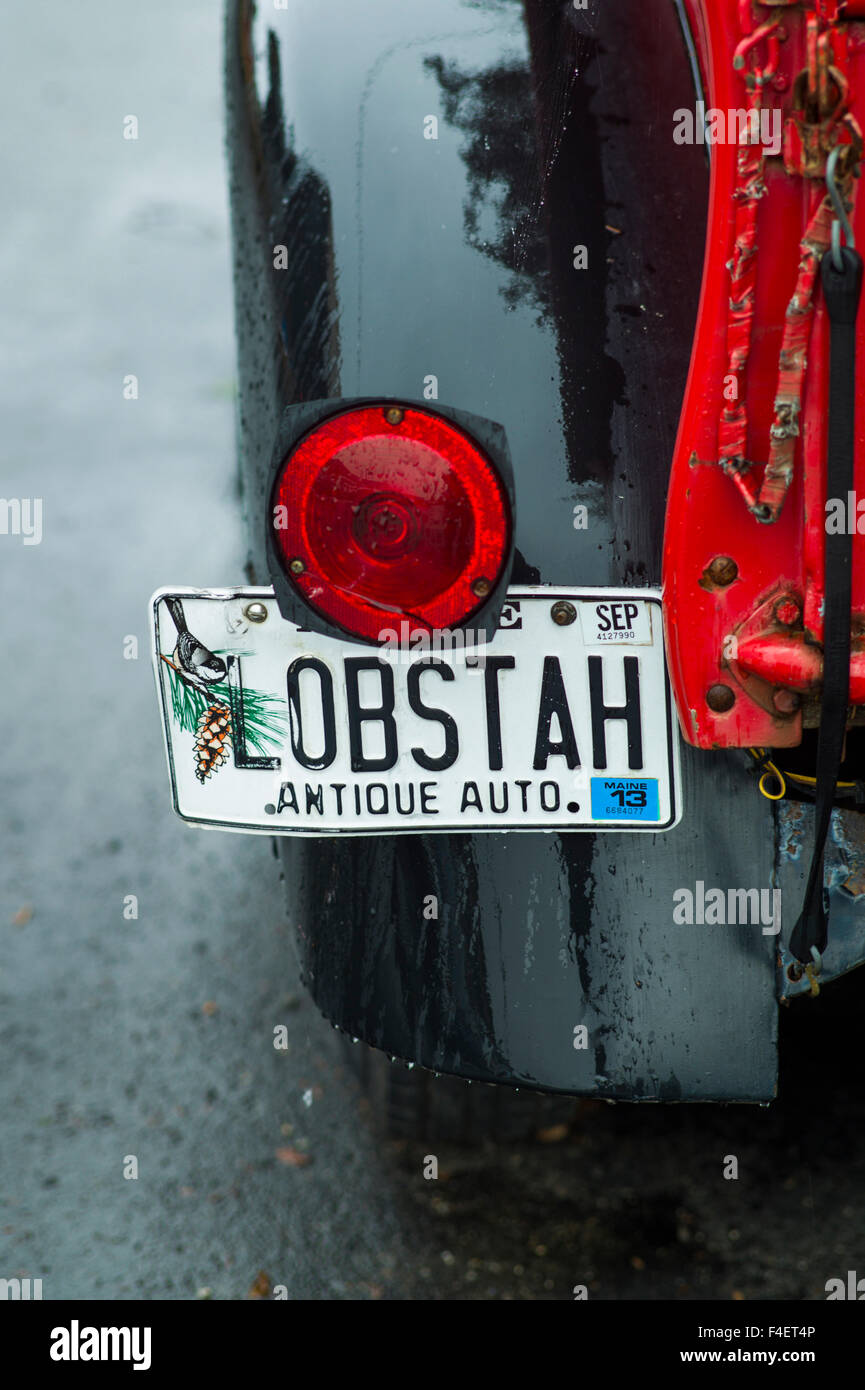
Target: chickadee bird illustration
x,y
192,661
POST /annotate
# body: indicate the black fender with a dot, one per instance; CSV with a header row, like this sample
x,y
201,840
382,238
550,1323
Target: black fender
x,y
447,267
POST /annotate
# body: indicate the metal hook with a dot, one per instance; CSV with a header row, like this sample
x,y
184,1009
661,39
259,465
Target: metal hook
x,y
841,222
765,31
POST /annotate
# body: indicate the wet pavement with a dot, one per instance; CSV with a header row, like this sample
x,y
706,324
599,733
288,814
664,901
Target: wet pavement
x,y
150,1037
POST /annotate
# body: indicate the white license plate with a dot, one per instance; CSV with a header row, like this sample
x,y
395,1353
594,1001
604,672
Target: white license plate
x,y
549,726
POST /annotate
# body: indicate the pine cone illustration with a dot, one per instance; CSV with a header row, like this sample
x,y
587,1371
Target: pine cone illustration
x,y
212,740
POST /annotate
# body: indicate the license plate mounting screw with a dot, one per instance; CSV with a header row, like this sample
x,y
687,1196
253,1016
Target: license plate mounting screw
x,y
563,613
296,566
255,613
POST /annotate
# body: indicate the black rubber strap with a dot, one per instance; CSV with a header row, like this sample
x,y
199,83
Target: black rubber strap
x,y
841,289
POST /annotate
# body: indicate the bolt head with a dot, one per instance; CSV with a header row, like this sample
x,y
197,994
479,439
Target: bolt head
x,y
722,571
786,701
720,698
563,613
394,415
296,566
481,588
255,613
787,611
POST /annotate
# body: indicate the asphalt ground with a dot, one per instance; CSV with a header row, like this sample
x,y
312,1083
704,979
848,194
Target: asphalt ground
x,y
150,1037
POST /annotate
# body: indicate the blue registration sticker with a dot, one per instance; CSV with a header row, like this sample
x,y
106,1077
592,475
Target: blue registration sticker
x,y
625,798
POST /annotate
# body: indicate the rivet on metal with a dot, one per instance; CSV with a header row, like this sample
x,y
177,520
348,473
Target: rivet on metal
x,y
720,698
723,570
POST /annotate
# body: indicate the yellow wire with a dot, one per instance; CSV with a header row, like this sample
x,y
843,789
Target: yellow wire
x,y
775,772
782,777
812,781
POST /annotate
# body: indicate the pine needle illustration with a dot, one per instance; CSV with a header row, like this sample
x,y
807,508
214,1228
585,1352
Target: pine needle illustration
x,y
264,715
212,740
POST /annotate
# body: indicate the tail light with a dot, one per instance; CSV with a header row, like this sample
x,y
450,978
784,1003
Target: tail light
x,y
383,512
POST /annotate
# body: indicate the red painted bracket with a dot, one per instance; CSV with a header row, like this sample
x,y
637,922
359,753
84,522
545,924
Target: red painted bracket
x,y
743,596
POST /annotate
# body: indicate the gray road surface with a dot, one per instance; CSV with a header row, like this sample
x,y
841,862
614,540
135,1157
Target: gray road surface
x,y
152,1037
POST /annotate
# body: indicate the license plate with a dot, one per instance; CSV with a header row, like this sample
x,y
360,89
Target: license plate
x,y
563,721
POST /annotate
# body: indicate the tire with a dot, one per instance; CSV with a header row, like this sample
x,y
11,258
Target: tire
x,y
415,1104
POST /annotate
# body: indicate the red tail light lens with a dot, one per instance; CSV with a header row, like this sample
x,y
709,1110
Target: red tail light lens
x,y
384,512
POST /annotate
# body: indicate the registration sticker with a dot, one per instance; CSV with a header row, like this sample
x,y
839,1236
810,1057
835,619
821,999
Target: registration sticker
x,y
624,798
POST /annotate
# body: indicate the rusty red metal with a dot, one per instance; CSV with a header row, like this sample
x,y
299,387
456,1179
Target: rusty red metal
x,y
748,476
749,189
792,362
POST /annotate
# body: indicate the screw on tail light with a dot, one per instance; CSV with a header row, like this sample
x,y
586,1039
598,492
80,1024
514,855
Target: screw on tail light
x,y
383,511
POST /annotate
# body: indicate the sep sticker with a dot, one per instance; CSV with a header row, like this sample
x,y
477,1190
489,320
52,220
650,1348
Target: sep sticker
x,y
625,798
616,620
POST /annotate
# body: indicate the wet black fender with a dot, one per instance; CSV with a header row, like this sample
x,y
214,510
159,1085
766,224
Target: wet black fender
x,y
430,171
